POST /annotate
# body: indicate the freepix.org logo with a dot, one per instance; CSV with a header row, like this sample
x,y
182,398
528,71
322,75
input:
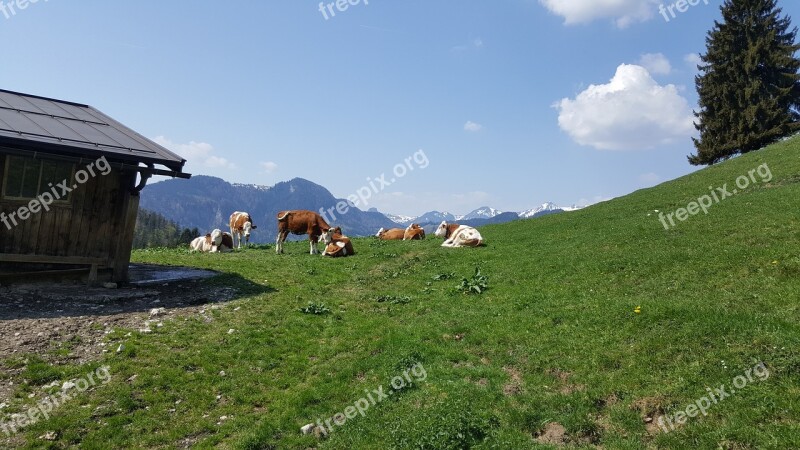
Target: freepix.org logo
x,y
10,8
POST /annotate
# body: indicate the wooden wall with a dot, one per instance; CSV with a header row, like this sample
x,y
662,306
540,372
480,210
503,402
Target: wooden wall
x,y
92,224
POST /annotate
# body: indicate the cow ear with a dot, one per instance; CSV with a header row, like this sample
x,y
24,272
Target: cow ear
x,y
254,227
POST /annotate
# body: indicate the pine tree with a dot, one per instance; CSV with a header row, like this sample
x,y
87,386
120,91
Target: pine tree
x,y
748,84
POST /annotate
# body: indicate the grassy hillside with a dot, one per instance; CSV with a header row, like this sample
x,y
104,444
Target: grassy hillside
x,y
556,338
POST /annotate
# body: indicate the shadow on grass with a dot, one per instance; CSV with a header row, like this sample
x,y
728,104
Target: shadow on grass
x,y
53,300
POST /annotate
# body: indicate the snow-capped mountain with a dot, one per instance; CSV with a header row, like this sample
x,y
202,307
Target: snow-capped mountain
x,y
484,212
546,208
400,220
437,217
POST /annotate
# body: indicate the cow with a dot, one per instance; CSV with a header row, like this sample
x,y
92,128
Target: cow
x,y
227,243
456,235
301,222
394,234
241,223
208,243
414,232
336,245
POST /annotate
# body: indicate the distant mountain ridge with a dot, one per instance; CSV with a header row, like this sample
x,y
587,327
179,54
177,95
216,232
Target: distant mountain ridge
x,y
205,203
482,216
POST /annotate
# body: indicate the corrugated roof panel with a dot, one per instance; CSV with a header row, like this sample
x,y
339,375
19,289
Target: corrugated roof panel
x,y
79,112
56,128
19,102
93,135
20,122
51,107
72,128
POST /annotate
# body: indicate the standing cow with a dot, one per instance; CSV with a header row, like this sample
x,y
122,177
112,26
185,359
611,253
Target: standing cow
x,y
241,223
301,222
456,235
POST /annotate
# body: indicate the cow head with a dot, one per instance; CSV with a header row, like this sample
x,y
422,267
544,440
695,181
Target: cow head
x,y
380,232
327,236
246,228
216,237
442,230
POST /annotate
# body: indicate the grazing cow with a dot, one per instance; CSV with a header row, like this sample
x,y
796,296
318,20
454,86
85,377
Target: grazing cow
x,y
394,234
414,232
301,222
241,223
208,243
456,235
336,245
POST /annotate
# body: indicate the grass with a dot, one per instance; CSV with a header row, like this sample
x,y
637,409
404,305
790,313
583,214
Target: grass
x,y
553,337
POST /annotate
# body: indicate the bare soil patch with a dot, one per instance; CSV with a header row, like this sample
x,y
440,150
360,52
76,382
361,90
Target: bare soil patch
x,y
67,323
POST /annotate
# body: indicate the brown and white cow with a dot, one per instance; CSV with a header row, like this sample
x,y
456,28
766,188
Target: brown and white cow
x,y
227,243
301,222
414,232
208,243
336,245
241,224
456,235
394,234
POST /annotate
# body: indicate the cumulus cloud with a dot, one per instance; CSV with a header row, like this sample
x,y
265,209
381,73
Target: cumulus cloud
x,y
649,179
693,60
476,44
268,166
623,12
631,112
656,63
196,153
472,127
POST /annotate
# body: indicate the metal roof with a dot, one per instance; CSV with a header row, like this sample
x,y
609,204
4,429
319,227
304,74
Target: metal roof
x,y
65,128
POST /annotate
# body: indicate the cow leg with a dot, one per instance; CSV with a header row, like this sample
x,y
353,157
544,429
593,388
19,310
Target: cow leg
x,y
314,249
279,242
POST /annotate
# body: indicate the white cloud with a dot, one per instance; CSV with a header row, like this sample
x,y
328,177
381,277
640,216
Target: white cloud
x,y
649,179
656,63
219,162
631,112
472,127
196,153
623,12
268,166
476,44
693,60
584,202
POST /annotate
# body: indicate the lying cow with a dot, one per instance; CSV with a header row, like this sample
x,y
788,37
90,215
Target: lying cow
x,y
394,234
241,224
456,235
301,222
336,245
208,243
414,232
227,243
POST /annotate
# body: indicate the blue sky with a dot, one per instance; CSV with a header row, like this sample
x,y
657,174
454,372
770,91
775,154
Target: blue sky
x,y
513,102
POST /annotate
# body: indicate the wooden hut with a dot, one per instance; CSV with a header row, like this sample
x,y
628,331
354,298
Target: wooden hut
x,y
70,179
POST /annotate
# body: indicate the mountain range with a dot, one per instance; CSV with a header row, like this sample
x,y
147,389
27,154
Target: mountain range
x,y
207,202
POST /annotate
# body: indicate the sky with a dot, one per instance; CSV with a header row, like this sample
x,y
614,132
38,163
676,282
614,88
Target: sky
x,y
444,105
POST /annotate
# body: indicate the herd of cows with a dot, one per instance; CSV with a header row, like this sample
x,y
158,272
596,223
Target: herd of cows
x,y
301,222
